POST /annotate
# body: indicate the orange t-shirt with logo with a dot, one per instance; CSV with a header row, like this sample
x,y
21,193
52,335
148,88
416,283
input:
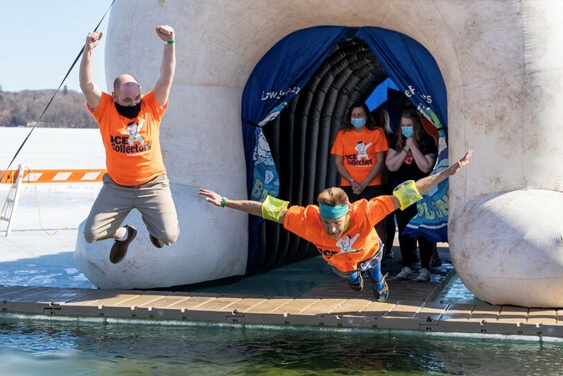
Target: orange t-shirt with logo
x,y
359,152
358,243
133,155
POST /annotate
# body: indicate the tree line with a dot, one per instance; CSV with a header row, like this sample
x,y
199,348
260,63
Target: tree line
x,y
23,108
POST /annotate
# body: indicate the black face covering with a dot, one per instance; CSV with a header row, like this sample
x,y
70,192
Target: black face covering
x,y
129,112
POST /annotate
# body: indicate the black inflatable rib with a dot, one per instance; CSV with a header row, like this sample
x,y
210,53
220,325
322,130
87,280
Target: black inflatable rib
x,y
301,138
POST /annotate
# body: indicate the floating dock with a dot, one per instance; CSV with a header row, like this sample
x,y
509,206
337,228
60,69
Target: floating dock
x,y
410,307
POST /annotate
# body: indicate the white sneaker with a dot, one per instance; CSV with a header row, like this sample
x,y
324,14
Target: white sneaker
x,y
424,275
404,274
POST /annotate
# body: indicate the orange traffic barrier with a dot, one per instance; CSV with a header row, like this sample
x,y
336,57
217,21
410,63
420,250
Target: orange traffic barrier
x,y
52,176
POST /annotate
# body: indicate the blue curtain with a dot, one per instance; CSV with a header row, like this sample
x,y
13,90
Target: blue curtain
x,y
411,67
275,81
417,74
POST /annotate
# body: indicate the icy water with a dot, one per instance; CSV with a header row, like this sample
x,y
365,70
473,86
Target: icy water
x,y
456,292
32,346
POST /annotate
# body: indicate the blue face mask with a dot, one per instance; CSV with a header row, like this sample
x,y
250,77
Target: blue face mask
x,y
407,131
358,122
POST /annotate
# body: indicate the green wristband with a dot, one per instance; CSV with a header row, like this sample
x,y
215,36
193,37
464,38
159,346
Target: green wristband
x,y
171,41
223,201
405,150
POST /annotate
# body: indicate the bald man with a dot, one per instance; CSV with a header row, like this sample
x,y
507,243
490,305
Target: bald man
x,y
129,123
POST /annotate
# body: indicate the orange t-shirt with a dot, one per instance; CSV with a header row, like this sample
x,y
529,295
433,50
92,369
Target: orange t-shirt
x,y
133,155
358,243
359,152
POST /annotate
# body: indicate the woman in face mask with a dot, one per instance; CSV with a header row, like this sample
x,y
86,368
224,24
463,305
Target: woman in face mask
x,y
411,156
359,154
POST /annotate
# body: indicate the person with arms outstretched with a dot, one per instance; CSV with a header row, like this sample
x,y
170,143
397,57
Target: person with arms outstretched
x,y
136,177
343,232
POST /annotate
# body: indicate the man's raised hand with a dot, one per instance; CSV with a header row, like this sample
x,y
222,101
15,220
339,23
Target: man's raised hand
x,y
93,39
165,32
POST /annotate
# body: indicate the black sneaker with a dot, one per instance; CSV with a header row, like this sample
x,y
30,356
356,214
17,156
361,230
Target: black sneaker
x,y
119,248
358,284
435,261
156,242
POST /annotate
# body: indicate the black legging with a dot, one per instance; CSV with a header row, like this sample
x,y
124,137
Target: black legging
x,y
389,221
408,244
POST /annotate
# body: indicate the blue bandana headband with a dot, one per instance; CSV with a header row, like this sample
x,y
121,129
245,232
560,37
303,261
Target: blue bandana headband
x,y
333,212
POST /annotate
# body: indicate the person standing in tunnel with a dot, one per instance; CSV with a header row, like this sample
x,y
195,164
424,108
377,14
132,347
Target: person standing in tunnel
x,y
412,155
136,176
359,151
343,232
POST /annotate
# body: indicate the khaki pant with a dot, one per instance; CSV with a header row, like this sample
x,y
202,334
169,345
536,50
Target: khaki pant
x,y
153,200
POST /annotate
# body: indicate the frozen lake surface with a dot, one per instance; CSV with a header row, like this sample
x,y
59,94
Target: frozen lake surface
x,y
50,148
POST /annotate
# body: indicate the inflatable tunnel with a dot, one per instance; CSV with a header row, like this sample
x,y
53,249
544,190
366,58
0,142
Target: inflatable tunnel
x,y
293,105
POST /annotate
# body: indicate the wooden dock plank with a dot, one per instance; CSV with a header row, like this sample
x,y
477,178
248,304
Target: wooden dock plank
x,y
351,307
333,303
46,295
296,306
542,316
323,306
218,304
352,313
269,305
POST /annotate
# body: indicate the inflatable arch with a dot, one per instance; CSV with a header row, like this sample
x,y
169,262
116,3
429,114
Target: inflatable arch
x,y
300,121
503,72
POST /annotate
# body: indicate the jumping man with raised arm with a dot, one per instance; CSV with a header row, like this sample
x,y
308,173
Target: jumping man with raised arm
x,y
129,123
343,232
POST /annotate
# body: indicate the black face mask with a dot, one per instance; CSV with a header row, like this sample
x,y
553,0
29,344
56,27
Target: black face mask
x,y
129,112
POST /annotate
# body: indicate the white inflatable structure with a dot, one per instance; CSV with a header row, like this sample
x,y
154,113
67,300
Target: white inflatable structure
x,y
503,68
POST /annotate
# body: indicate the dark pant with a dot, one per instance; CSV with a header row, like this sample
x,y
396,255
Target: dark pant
x,y
408,244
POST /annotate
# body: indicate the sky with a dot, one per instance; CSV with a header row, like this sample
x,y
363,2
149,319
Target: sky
x,y
39,40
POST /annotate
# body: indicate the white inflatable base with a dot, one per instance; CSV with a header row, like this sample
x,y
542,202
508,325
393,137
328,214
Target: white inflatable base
x,y
507,248
185,262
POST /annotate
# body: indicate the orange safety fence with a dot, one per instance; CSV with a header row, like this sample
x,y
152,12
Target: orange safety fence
x,y
52,176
